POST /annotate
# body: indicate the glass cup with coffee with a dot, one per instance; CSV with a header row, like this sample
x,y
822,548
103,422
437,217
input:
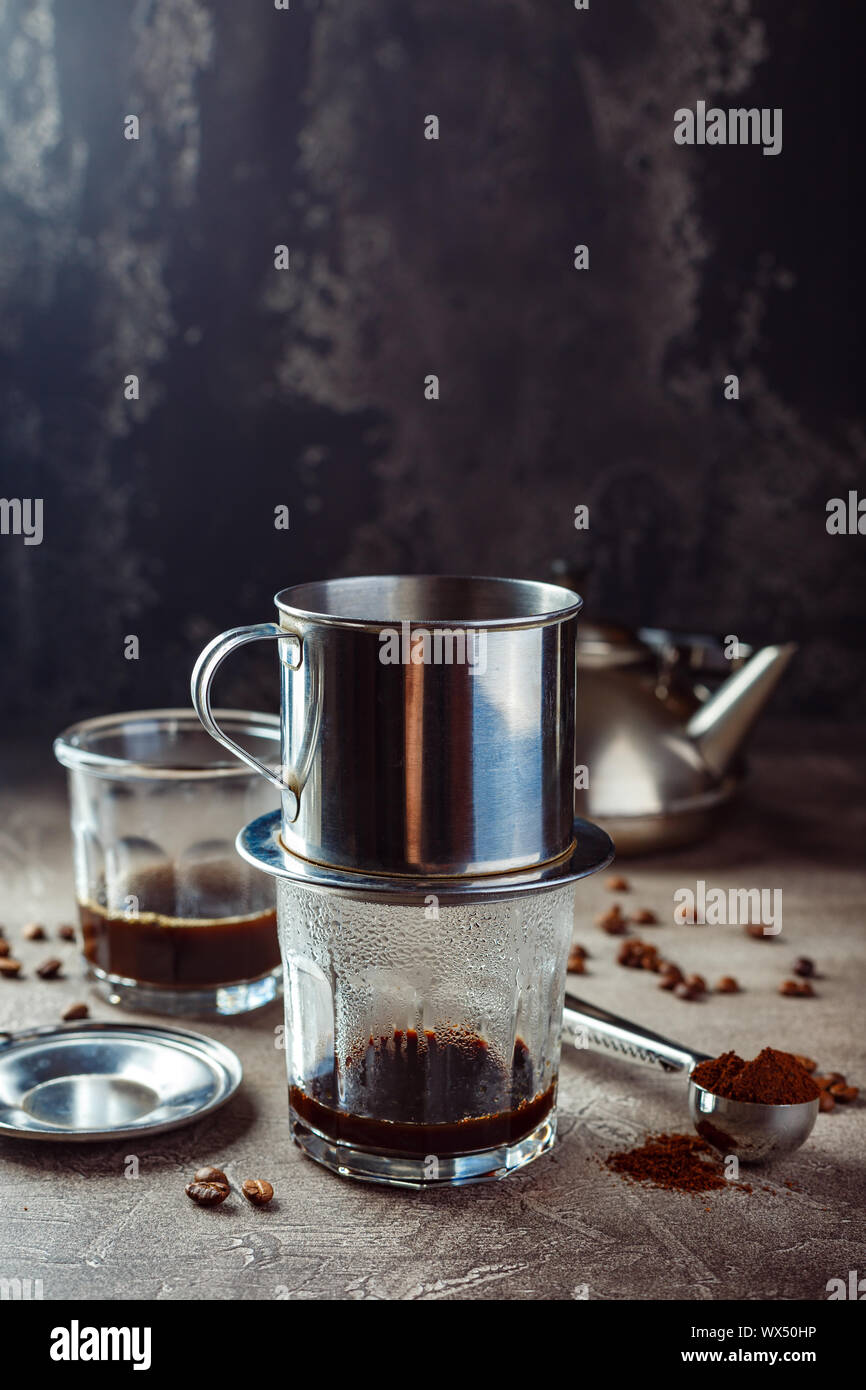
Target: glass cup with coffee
x,y
424,1048
172,920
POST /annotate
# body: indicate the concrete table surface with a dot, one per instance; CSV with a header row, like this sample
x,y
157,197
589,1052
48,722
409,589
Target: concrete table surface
x,y
565,1227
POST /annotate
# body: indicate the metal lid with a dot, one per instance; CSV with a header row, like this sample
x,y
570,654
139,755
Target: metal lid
x,y
260,844
91,1081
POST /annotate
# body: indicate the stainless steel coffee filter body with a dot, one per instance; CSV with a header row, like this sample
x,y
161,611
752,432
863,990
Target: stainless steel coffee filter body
x,y
400,762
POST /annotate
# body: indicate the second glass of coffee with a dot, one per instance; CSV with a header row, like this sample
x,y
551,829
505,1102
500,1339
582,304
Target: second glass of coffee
x,y
172,920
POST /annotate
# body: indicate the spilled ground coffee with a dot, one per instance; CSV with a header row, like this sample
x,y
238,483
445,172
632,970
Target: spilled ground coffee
x,y
678,1162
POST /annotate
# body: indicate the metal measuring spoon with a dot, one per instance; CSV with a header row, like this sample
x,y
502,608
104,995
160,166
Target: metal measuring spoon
x,y
755,1133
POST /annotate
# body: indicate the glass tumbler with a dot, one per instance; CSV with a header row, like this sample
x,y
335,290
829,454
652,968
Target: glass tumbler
x,y
172,920
422,1040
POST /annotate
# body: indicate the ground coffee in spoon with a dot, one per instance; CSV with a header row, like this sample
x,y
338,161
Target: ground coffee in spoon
x,y
771,1078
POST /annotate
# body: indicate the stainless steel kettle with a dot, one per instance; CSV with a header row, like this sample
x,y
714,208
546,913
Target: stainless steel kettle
x,y
660,738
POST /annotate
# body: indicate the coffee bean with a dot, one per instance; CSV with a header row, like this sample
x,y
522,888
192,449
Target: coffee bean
x,y
727,985
257,1191
826,1102
637,955
644,917
207,1194
576,959
671,978
612,921
4,947
846,1094
804,967
616,884
686,991
806,1063
66,933
49,969
793,988
697,983
2,933
33,932
75,1011
833,1078
756,930
210,1175
9,968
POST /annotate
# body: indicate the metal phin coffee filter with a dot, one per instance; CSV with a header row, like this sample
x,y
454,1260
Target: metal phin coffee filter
x,y
424,855
427,723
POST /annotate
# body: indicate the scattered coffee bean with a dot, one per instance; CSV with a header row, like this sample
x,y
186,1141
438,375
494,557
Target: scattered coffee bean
x,y
9,968
33,932
616,884
637,955
576,961
756,930
49,969
833,1078
207,1194
727,985
793,988
826,1102
644,917
74,1012
4,947
66,933
257,1191
671,977
686,991
613,921
804,967
807,1063
209,1174
846,1094
697,982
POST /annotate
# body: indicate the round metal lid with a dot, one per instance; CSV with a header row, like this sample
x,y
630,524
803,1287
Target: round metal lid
x,y
260,844
93,1081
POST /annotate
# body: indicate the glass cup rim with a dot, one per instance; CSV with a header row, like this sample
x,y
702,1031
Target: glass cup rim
x,y
71,751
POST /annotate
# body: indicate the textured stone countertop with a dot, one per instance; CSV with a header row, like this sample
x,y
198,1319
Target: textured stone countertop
x,y
69,1216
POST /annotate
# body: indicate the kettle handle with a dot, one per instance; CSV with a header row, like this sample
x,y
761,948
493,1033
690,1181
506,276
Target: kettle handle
x,y
203,674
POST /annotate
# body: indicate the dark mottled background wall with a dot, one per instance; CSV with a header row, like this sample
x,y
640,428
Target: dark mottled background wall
x,y
409,256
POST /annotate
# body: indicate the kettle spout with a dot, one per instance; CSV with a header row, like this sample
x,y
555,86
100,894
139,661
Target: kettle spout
x,y
720,726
